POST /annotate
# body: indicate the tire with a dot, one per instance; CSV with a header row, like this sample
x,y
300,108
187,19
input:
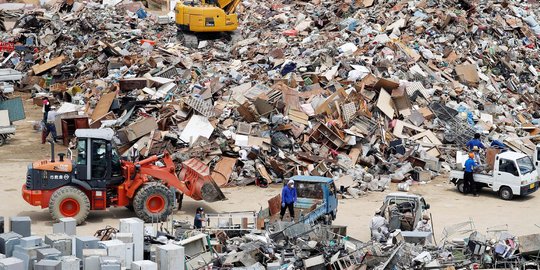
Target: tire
x,y
153,202
69,202
506,193
3,138
460,185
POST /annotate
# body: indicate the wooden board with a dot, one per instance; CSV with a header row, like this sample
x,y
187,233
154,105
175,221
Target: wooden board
x,y
298,116
223,170
385,104
103,106
37,69
274,205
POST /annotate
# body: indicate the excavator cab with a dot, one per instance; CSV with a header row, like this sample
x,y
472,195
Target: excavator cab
x,y
98,162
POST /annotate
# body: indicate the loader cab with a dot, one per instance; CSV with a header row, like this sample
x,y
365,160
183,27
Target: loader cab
x,y
98,162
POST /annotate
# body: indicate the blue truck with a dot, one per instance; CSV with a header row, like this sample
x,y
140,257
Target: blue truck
x,y
317,201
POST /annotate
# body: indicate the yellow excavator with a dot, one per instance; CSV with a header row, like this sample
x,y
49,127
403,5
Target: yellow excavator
x,y
207,16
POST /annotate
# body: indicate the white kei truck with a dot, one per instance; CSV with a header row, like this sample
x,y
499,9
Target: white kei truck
x,y
513,174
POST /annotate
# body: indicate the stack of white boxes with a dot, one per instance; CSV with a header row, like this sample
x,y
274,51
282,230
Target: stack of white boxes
x,y
27,250
21,225
70,263
127,239
11,264
134,226
60,241
170,257
48,265
91,258
48,254
109,263
67,226
84,242
144,265
117,248
8,241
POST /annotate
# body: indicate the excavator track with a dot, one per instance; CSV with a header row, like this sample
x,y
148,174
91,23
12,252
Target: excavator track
x,y
188,39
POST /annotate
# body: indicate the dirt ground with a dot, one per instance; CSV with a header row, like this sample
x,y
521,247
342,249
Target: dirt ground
x,y
447,206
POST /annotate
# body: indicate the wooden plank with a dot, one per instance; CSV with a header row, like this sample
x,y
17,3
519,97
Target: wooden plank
x,y
103,106
298,117
354,154
385,104
398,129
263,172
274,205
246,113
223,170
37,69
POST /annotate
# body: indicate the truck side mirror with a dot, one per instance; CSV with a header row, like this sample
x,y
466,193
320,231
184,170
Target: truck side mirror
x,y
427,206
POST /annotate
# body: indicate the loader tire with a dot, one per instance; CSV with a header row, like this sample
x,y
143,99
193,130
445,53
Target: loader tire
x,y
69,202
153,202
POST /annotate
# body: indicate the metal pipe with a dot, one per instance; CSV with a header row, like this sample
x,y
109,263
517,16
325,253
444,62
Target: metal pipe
x,y
52,150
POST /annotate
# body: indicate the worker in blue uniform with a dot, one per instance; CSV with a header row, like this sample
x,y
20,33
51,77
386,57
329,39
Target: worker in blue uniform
x,y
469,185
475,145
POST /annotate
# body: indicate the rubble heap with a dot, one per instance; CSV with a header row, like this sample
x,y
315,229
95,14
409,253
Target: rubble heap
x,y
284,246
366,92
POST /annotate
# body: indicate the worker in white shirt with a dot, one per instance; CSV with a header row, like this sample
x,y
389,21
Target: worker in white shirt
x,y
424,226
378,227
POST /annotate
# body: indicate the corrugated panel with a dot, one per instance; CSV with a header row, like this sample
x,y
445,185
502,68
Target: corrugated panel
x,y
15,108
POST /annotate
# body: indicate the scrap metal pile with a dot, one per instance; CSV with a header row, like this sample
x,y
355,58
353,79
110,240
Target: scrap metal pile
x,y
378,91
228,245
301,246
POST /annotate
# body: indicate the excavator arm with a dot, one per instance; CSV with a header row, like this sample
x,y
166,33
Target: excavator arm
x,y
228,5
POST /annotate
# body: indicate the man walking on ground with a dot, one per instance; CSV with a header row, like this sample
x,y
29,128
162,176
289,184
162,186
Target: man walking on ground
x,y
288,199
469,185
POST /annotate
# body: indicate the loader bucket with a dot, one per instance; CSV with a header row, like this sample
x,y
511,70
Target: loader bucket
x,y
211,192
201,186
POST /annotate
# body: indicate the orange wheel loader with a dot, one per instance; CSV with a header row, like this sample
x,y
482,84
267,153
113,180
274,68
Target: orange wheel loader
x,y
98,179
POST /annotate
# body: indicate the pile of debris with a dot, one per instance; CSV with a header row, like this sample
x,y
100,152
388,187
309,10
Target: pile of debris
x,y
378,90
283,245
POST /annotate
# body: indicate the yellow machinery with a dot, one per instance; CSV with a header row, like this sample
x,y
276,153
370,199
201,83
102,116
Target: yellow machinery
x,y
205,17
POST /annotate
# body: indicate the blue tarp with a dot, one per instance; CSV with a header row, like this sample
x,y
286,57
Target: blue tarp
x,y
14,107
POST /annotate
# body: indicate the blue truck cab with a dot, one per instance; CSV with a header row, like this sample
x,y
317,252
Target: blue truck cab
x,y
316,198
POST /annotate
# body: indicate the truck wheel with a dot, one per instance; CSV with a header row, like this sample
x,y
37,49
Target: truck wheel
x,y
461,186
153,202
506,193
69,202
2,139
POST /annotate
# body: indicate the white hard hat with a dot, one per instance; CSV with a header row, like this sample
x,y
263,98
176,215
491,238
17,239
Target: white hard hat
x,y
136,146
290,182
